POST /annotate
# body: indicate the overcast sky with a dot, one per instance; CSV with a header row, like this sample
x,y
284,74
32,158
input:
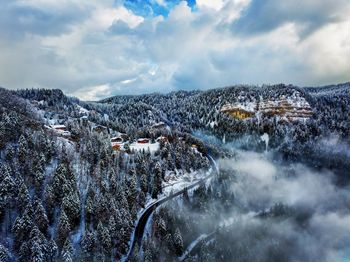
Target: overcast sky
x,y
97,48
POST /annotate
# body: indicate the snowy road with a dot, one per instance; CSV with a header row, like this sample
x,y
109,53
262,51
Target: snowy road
x,y
141,223
193,247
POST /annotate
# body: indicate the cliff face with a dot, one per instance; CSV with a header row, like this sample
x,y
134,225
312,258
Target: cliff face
x,y
292,107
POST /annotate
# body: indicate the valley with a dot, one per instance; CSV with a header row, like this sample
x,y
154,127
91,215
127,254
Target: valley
x,y
135,178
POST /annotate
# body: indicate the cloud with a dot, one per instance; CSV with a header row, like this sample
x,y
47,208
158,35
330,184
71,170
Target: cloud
x,y
93,92
265,16
318,211
39,17
74,45
263,183
214,4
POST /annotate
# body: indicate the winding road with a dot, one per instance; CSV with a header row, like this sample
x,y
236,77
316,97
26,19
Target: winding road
x,y
195,245
141,223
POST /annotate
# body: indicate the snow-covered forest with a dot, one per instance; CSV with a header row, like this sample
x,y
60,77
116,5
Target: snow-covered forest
x,y
68,192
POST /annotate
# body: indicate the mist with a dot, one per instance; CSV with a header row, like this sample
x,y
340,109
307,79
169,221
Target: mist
x,y
284,212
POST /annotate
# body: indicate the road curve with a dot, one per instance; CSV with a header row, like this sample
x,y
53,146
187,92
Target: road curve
x,y
194,248
141,223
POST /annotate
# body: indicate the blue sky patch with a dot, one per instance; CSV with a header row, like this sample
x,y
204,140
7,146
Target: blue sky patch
x,y
151,8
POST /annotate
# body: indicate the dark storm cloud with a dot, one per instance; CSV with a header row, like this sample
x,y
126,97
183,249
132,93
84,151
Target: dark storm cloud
x,y
18,19
264,16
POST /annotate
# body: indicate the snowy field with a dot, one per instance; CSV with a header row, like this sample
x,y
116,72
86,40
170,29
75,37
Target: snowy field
x,y
176,181
147,146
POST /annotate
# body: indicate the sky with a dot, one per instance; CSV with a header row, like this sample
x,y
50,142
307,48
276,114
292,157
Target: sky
x,y
93,49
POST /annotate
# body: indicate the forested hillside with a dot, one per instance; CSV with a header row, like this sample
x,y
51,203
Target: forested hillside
x,y
68,193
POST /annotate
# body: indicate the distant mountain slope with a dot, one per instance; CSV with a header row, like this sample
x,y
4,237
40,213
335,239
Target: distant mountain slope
x,y
65,191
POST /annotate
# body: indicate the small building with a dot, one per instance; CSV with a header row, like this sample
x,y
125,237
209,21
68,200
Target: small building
x,y
116,147
60,130
143,141
59,127
117,139
100,128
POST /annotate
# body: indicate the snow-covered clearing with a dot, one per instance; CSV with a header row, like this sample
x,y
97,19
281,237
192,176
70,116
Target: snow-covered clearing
x,y
152,147
177,181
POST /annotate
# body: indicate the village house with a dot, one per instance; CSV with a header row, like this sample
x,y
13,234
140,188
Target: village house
x,y
117,142
59,127
100,128
117,139
116,147
143,140
60,130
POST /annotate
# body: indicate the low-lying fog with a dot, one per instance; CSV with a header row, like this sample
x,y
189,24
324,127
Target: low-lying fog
x,y
285,212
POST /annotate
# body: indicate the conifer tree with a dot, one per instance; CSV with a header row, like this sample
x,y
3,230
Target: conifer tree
x,y
22,149
88,243
4,254
40,218
67,251
63,228
104,237
178,242
52,250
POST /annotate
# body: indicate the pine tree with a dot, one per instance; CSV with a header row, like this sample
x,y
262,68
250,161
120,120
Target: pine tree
x,y
88,243
58,182
52,250
38,176
24,252
178,242
157,181
144,183
37,245
149,251
67,251
10,153
142,199
89,207
21,229
23,197
71,206
40,218
22,149
131,193
113,228
7,187
4,254
104,237
49,200
63,228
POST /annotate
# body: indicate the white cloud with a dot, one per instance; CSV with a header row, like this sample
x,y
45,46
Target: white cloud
x,y
93,92
106,16
214,4
183,51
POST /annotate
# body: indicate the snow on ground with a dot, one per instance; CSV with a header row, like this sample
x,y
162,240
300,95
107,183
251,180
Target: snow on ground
x,y
191,246
70,145
246,106
213,124
176,181
82,110
265,137
139,147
